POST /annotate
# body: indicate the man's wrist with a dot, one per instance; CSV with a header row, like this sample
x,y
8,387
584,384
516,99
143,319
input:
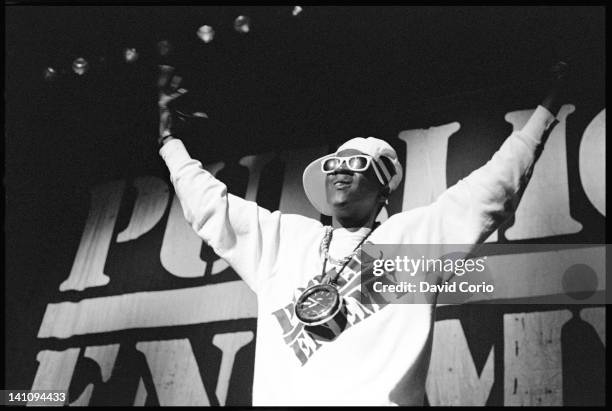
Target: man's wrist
x,y
164,139
553,100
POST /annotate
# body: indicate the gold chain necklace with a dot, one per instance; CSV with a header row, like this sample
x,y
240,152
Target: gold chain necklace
x,y
325,242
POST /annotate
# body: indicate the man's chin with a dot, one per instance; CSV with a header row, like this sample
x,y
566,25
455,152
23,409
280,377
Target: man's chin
x,y
341,208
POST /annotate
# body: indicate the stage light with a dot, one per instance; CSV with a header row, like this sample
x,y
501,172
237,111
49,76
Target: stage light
x,y
130,55
296,10
50,74
206,34
80,66
242,24
164,47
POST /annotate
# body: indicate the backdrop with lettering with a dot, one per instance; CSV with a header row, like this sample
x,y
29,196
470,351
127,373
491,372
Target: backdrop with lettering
x,y
148,314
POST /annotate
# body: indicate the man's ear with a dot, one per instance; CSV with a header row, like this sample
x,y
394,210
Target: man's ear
x,y
384,193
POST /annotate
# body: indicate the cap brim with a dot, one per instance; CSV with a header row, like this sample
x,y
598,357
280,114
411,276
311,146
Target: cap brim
x,y
314,186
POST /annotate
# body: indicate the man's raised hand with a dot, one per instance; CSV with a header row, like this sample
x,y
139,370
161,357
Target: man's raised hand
x,y
169,90
169,86
558,76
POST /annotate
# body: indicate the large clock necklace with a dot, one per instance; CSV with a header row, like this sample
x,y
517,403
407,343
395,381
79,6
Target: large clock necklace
x,y
321,304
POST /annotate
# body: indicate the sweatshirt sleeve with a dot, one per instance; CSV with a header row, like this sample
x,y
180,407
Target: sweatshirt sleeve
x,y
469,211
239,231
475,207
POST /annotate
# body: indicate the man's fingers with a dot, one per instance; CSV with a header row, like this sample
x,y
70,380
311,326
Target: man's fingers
x,y
164,99
175,82
178,93
164,74
560,70
169,86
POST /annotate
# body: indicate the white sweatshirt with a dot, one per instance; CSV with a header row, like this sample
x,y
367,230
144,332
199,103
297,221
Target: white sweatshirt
x,y
382,357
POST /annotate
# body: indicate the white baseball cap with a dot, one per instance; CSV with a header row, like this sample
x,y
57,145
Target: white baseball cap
x,y
381,152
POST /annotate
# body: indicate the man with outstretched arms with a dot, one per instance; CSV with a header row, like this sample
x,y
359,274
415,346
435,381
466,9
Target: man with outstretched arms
x,y
316,343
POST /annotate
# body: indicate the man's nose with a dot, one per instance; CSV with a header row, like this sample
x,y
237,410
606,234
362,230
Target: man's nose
x,y
343,169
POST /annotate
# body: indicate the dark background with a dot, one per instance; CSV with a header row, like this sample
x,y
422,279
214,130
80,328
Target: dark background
x,y
319,78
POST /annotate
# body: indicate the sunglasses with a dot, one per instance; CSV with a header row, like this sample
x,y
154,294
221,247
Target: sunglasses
x,y
358,162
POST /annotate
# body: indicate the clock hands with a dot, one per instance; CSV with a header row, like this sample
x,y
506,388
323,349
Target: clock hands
x,y
315,301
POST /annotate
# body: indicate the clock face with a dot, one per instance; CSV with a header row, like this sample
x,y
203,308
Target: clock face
x,y
317,304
